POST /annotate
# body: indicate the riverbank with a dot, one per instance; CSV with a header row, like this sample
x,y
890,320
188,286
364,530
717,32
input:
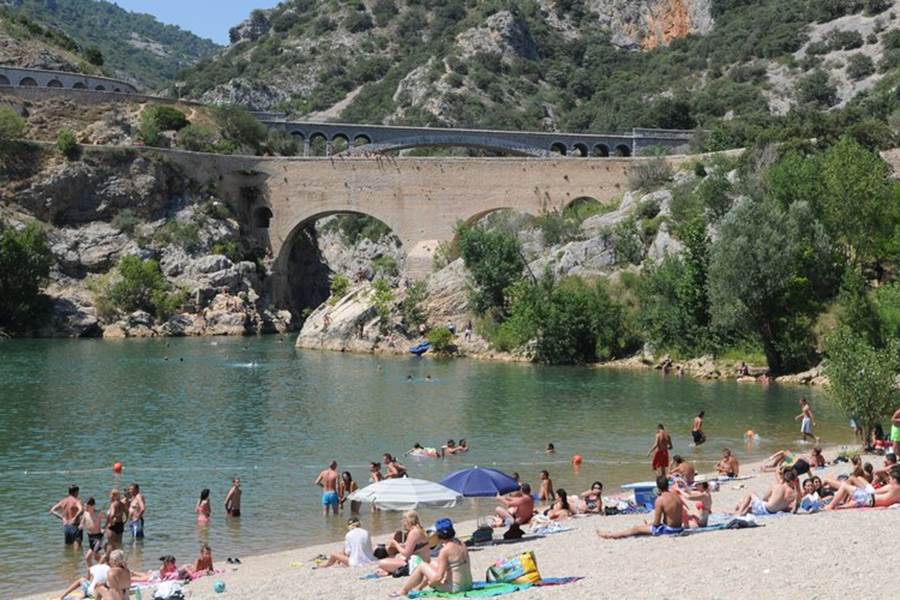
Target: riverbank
x,y
790,557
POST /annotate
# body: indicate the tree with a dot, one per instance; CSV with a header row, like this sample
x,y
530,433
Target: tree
x,y
769,271
93,55
12,126
240,127
196,138
67,144
25,261
862,377
141,286
494,260
816,89
411,307
441,340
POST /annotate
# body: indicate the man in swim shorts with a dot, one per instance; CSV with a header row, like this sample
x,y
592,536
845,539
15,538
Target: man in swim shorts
x,y
861,497
70,510
328,480
136,508
233,499
662,443
781,497
729,465
667,516
697,429
807,420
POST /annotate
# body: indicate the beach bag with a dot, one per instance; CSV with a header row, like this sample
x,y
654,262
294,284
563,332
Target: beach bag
x,y
514,532
483,535
169,590
521,568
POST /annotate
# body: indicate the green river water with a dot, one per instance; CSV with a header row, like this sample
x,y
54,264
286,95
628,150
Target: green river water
x,y
187,414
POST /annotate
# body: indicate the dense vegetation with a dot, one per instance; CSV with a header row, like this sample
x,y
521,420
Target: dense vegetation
x,y
125,43
584,80
25,262
764,257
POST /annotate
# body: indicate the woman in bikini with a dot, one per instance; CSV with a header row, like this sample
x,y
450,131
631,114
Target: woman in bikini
x,y
412,552
593,498
703,500
203,509
450,572
346,487
115,519
560,509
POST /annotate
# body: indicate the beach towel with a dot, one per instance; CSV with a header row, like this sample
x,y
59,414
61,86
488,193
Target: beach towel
x,y
480,589
547,581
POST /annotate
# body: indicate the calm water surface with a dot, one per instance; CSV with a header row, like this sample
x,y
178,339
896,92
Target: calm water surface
x,y
186,414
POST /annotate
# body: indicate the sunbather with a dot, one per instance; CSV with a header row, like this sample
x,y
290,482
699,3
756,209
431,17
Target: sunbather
x,y
560,509
728,466
518,508
699,517
781,497
449,572
593,498
851,496
404,554
667,516
683,469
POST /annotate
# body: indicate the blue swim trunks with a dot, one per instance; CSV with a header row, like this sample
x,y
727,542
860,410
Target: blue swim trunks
x,y
136,528
330,499
657,530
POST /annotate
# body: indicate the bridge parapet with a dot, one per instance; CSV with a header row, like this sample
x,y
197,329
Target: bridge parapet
x,y
24,77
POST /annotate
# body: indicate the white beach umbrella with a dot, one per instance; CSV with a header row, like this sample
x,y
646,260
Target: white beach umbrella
x,y
406,493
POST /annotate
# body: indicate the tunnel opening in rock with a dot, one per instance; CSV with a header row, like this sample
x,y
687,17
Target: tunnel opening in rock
x,y
332,253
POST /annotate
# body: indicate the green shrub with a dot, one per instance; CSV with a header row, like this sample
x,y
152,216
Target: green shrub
x,y
228,248
239,127
25,261
196,138
411,307
382,300
140,286
66,144
445,253
384,11
891,39
844,40
860,66
556,228
627,243
126,221
93,55
340,285
817,89
441,339
358,22
494,260
12,126
216,209
185,235
386,265
889,61
650,175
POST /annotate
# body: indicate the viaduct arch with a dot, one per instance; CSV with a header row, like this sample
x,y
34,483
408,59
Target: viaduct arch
x,y
43,78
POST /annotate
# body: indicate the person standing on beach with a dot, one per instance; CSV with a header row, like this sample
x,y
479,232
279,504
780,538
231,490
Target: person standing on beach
x,y
697,429
233,499
807,421
136,508
70,510
328,480
660,450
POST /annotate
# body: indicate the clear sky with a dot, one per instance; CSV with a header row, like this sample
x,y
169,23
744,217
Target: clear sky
x,y
207,18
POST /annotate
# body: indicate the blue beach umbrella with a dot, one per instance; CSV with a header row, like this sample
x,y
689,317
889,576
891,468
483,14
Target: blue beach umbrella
x,y
480,482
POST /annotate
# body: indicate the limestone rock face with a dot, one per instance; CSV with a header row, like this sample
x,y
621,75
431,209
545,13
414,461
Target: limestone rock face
x,y
349,324
503,34
647,24
252,28
94,248
252,93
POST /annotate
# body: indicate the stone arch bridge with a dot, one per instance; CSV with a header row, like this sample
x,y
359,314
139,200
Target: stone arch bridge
x,y
420,199
42,78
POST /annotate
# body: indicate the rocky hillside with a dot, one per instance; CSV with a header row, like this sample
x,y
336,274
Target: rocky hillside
x,y
602,65
55,34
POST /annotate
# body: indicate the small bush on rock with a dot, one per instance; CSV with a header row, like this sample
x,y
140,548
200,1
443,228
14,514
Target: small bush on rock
x,y
66,144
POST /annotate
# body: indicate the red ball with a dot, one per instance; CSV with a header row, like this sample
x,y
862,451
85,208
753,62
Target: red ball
x,y
117,467
576,460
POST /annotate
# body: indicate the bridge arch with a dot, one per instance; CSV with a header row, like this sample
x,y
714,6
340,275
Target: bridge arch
x,y
100,88
623,150
558,148
4,80
27,82
54,83
601,150
262,217
361,140
318,144
581,149
340,142
79,86
451,140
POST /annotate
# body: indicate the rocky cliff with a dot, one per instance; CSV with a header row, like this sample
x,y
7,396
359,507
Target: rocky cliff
x,y
648,24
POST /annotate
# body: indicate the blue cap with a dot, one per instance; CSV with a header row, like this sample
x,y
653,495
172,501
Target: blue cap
x,y
443,525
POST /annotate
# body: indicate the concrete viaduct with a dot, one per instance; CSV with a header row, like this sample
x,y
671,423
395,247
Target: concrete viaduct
x,y
352,138
20,77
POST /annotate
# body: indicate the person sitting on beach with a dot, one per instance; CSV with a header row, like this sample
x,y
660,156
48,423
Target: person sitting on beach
x,y
850,495
662,443
743,370
233,499
357,548
593,498
668,516
96,575
683,469
780,497
517,508
118,579
560,508
882,476
703,504
394,469
811,501
450,572
728,466
202,566
822,490
69,510
545,493
328,481
411,552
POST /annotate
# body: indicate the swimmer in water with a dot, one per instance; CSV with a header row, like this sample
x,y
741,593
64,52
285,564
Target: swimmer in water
x,y
551,449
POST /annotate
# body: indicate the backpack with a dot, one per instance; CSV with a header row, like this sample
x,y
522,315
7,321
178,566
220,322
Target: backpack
x,y
483,535
521,568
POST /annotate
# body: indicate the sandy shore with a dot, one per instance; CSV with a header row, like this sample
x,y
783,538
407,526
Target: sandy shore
x,y
824,555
